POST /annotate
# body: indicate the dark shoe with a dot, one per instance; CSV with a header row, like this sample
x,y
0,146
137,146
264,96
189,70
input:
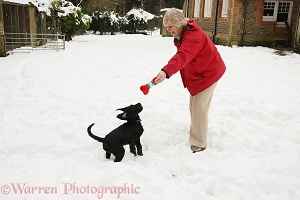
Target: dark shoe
x,y
197,149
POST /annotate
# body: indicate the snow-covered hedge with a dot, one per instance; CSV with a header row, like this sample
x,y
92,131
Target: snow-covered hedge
x,y
104,22
135,21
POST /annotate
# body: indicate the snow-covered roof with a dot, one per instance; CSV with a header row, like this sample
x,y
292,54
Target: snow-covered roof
x,y
43,5
165,9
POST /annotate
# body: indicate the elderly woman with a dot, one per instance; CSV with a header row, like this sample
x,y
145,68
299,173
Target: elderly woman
x,y
200,66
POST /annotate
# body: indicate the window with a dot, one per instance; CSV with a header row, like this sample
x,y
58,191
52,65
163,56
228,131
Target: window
x,y
224,8
283,11
197,9
207,8
277,11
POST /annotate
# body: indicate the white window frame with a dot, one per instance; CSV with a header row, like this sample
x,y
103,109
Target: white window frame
x,y
207,8
274,17
187,8
197,8
224,8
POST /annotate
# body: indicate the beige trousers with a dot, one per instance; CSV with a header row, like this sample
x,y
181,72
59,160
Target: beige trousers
x,y
199,106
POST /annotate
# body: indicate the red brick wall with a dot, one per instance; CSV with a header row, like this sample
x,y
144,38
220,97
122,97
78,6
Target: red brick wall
x,y
256,31
2,37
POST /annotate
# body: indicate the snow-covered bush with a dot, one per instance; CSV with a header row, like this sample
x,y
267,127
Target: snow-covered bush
x,y
105,22
136,20
69,18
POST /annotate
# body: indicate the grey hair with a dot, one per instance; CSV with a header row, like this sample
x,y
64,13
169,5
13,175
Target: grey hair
x,y
176,16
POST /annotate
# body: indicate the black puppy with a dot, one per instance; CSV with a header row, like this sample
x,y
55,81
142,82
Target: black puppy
x,y
128,133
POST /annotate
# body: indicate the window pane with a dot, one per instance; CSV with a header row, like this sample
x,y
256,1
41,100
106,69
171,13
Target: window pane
x,y
224,8
282,16
197,8
207,8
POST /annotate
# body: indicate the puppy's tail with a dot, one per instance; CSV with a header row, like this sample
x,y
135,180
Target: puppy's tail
x,y
99,139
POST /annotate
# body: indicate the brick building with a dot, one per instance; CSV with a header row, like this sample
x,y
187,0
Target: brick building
x,y
247,22
2,37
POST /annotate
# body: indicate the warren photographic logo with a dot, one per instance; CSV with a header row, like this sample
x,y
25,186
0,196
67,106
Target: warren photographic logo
x,y
69,189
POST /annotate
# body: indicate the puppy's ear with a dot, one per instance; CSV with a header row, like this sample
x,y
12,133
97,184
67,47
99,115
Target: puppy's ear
x,y
122,116
122,109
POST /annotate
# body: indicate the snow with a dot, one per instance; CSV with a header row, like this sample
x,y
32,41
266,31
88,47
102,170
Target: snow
x,y
166,9
141,14
49,98
67,8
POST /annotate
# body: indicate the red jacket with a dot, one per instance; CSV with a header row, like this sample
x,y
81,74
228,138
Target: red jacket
x,y
197,58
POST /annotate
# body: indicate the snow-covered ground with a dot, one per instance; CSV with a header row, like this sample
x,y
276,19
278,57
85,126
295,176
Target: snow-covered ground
x,y
49,98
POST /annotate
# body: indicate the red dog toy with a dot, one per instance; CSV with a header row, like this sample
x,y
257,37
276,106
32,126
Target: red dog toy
x,y
145,88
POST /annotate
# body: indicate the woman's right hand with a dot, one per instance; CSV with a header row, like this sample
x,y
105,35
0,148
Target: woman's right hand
x,y
161,76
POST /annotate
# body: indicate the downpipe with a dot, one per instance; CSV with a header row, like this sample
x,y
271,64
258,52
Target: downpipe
x,y
216,22
244,22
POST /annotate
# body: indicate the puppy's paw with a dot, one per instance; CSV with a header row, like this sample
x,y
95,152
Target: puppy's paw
x,y
133,152
140,153
107,155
